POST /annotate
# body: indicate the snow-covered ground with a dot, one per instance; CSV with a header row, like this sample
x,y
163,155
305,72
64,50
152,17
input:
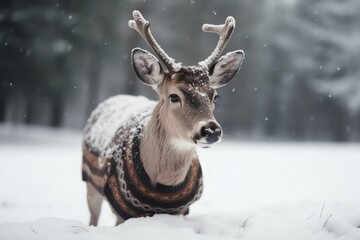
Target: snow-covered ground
x,y
252,191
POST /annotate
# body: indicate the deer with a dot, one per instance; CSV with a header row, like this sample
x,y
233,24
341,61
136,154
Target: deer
x,y
141,155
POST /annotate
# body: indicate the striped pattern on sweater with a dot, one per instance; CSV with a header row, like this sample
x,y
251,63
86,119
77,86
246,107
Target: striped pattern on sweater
x,y
122,180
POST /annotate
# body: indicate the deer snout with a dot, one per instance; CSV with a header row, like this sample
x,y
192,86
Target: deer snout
x,y
210,133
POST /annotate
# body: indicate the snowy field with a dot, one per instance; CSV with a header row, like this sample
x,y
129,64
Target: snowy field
x,y
272,191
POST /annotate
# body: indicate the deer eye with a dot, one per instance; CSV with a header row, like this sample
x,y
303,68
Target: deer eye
x,y
216,98
174,98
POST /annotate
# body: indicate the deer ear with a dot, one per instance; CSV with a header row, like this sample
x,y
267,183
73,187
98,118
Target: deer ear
x,y
147,67
225,68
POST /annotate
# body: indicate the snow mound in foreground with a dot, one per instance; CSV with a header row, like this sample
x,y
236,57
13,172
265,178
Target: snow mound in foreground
x,y
272,223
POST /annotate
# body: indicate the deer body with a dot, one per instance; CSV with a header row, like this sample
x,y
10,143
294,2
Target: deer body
x,y
140,155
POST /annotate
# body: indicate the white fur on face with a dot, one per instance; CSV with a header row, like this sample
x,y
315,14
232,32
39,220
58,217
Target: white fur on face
x,y
183,145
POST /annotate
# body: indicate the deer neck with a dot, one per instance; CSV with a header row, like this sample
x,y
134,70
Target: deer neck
x,y
166,159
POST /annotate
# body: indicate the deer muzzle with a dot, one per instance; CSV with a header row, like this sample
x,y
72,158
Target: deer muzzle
x,y
210,133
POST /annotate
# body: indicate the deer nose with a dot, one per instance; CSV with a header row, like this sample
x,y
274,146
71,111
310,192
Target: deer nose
x,y
211,132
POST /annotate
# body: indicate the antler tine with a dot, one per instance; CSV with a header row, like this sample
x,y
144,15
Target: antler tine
x,y
224,30
142,26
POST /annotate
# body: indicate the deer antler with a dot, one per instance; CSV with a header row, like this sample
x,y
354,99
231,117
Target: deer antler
x,y
224,30
142,26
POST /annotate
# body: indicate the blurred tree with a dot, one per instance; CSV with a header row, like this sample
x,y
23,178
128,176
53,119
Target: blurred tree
x,y
36,55
332,29
337,35
311,48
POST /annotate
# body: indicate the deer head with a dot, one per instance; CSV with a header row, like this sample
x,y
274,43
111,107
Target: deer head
x,y
187,93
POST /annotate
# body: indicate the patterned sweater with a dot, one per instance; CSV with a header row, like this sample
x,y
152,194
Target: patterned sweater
x,y
120,177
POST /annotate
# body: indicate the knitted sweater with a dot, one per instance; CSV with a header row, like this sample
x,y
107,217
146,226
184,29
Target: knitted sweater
x,y
121,178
